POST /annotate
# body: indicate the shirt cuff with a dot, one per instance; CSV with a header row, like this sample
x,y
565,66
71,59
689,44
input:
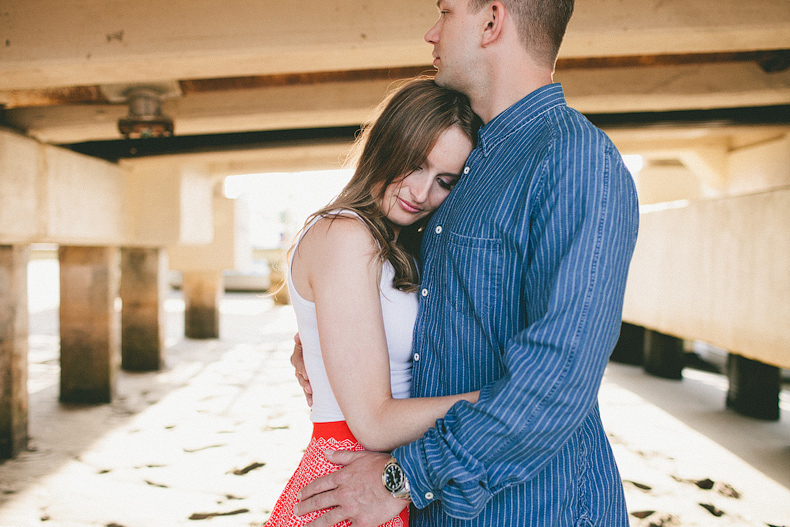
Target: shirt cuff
x,y
413,463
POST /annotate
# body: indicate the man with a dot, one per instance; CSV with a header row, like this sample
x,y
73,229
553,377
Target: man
x,y
524,270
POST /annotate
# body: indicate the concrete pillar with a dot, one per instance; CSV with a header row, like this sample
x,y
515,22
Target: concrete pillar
x,y
143,291
754,388
630,348
13,349
89,323
664,355
202,292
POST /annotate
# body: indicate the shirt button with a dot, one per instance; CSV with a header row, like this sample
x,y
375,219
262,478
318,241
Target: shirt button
x,y
416,357
466,170
439,229
424,292
429,495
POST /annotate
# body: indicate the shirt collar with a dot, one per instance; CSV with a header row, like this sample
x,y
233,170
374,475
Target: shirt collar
x,y
518,115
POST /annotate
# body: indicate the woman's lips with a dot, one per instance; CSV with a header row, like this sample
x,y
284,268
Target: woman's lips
x,y
408,207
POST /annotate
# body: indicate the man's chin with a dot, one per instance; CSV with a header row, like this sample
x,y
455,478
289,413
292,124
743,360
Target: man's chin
x,y
441,80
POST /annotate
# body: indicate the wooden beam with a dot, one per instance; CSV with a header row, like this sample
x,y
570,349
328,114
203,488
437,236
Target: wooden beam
x,y
51,44
771,61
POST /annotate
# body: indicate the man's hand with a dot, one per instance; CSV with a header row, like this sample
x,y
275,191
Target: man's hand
x,y
356,492
297,360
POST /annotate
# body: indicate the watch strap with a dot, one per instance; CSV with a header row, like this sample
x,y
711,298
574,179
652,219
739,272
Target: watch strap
x,y
395,480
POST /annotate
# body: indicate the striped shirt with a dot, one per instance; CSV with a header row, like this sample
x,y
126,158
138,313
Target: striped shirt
x,y
524,270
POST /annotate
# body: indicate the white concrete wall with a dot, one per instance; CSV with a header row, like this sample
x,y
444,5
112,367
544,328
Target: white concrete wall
x,y
154,216
718,271
760,167
20,187
195,195
49,194
169,202
658,184
84,201
230,245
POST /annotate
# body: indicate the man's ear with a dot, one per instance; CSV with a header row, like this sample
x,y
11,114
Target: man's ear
x,y
494,22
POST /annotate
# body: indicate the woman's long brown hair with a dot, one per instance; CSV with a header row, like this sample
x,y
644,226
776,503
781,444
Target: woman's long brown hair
x,y
408,124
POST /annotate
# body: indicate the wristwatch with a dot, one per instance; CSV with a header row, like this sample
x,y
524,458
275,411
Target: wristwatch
x,y
395,480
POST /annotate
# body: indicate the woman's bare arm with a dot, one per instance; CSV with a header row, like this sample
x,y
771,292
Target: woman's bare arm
x,y
338,259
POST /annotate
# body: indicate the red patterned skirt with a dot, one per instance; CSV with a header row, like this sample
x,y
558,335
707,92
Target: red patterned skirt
x,y
326,436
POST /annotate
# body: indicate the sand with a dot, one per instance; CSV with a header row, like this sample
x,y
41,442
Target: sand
x,y
212,439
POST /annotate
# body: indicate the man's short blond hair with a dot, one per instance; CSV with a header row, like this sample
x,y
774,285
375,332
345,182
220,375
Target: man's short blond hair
x,y
541,23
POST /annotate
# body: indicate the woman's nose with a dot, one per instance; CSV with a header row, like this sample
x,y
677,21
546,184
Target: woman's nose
x,y
420,188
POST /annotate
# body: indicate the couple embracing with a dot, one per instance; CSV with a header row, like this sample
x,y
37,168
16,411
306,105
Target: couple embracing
x,y
454,353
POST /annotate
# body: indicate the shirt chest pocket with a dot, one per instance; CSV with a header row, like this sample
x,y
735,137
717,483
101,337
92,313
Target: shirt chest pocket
x,y
474,273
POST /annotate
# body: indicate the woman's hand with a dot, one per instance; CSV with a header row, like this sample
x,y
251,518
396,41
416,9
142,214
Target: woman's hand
x,y
297,360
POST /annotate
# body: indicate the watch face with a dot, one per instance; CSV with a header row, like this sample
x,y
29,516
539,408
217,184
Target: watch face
x,y
393,478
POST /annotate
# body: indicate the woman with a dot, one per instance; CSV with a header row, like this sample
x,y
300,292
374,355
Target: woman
x,y
353,278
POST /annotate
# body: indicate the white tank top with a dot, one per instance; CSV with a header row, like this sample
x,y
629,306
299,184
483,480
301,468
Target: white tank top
x,y
400,313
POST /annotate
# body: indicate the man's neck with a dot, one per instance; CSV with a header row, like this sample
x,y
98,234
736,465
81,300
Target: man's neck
x,y
506,85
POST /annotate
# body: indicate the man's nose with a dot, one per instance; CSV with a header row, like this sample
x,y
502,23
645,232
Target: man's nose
x,y
432,36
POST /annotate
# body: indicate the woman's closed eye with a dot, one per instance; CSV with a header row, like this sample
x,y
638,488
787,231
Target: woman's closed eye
x,y
447,183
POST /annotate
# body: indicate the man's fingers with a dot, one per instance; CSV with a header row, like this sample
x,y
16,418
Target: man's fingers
x,y
332,517
303,382
317,486
341,457
315,502
353,493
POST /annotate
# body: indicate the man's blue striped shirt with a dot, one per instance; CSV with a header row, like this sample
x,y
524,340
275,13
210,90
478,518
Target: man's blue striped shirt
x,y
524,270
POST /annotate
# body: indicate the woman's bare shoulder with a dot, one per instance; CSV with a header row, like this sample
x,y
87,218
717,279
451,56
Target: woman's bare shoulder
x,y
341,233
338,238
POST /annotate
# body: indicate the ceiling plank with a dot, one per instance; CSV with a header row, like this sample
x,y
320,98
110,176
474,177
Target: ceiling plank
x,y
46,44
349,103
771,61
